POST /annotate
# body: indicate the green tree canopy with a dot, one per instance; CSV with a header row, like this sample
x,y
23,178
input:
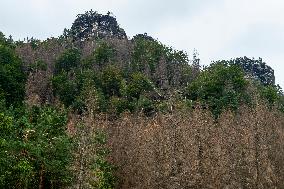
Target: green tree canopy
x,y
13,78
35,149
221,85
69,59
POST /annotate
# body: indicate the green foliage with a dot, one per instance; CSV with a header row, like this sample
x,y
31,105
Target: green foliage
x,y
270,93
87,63
91,151
150,50
120,105
71,88
273,95
34,147
9,42
133,95
176,55
146,52
113,94
186,75
145,105
157,61
13,78
38,65
103,170
219,86
34,43
3,40
138,85
88,86
144,36
6,140
65,88
281,103
104,53
69,59
5,125
111,81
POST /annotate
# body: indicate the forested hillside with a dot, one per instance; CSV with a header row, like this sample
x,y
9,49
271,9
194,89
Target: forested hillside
x,y
94,108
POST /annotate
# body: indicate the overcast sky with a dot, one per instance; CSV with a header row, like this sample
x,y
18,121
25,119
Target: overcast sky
x,y
218,29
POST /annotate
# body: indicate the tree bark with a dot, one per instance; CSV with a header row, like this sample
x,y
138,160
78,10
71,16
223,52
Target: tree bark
x,y
41,175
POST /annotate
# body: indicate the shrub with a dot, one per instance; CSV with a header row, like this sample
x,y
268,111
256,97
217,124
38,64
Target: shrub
x,y
145,105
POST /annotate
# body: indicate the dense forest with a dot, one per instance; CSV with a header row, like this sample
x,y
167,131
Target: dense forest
x,y
93,108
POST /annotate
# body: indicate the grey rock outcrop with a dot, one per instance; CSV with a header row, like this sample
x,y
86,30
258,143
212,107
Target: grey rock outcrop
x,y
256,69
94,25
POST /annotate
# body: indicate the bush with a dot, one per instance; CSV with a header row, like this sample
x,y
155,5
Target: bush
x,y
120,105
145,105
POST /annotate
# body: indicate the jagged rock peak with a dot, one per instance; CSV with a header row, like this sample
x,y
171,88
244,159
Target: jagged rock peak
x,y
257,69
94,25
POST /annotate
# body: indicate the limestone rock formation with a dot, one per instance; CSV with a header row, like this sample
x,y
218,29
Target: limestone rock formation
x,y
257,69
94,25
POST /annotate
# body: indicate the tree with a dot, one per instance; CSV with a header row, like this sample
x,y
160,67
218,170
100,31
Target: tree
x,y
273,95
160,63
147,53
35,149
102,169
111,81
13,78
65,88
7,138
9,42
219,86
69,59
103,53
144,36
138,84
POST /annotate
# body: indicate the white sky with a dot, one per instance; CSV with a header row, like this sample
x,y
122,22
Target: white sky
x,y
218,29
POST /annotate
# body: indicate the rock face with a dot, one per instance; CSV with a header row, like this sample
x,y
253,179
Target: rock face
x,y
257,70
94,25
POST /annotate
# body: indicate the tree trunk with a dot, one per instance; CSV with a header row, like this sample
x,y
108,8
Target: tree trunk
x,y
41,174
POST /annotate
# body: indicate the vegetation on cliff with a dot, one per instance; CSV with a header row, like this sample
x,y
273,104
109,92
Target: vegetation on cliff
x,y
59,97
